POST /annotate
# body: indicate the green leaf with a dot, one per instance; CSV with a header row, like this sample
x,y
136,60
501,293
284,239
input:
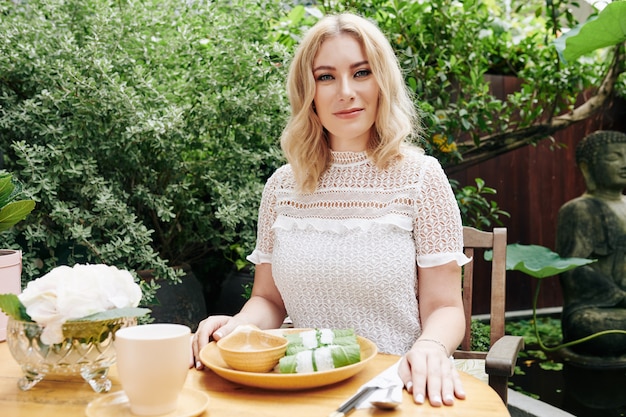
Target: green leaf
x,y
608,28
551,366
13,307
116,313
6,189
14,212
537,261
345,355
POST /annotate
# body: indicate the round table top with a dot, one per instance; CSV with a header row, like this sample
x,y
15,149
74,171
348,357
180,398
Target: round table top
x,y
68,396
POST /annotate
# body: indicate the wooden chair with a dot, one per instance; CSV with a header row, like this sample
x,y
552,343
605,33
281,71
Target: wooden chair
x,y
499,362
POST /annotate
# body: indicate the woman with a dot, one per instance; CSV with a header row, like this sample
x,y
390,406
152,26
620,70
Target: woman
x,y
347,227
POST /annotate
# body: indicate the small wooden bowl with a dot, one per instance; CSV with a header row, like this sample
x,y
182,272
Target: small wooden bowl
x,y
252,350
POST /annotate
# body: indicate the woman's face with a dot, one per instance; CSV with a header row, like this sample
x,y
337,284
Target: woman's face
x,y
346,93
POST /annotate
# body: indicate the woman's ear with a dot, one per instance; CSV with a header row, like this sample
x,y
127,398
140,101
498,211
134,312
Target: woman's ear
x,y
588,176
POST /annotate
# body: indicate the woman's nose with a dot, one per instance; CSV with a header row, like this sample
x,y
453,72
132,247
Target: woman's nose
x,y
346,88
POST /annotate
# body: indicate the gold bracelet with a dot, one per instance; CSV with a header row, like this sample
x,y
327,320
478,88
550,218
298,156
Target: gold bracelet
x,y
445,349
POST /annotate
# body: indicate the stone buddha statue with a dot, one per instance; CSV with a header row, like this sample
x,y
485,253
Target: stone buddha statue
x,y
593,226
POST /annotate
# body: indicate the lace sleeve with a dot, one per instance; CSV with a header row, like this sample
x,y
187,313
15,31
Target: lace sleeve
x,y
438,231
267,216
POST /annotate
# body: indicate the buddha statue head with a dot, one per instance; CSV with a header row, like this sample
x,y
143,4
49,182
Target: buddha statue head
x,y
601,157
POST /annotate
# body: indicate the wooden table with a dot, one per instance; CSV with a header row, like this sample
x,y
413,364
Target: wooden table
x,y
68,396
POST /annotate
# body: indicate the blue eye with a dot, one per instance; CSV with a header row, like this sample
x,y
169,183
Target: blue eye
x,y
362,73
325,77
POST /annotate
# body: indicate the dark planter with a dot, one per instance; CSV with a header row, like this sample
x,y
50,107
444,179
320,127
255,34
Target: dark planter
x,y
594,392
178,303
231,297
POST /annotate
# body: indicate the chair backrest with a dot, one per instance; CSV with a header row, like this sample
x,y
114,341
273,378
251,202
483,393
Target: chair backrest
x,y
496,240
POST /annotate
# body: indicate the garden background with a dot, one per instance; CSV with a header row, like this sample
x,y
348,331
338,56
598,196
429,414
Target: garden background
x,y
145,130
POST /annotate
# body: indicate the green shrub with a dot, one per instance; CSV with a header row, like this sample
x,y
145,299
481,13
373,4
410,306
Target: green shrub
x,y
143,130
481,337
476,210
549,329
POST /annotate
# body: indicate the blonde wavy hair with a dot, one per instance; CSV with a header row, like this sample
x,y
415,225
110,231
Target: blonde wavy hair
x,y
304,139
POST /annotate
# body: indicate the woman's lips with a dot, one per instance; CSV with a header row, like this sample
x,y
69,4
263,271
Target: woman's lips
x,y
348,112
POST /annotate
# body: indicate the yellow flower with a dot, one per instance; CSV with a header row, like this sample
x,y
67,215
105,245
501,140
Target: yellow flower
x,y
439,139
442,143
448,147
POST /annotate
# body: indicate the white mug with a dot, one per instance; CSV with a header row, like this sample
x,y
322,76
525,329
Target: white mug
x,y
152,364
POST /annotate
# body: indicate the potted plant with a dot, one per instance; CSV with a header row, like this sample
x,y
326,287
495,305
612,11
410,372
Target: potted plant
x,y
236,289
12,210
592,384
540,262
65,321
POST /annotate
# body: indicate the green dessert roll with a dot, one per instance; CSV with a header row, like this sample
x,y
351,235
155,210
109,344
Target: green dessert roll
x,y
311,339
320,359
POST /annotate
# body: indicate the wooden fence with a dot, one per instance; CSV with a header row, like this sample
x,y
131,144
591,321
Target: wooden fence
x,y
532,183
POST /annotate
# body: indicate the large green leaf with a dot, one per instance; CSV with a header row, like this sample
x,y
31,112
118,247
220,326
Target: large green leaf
x,y
14,212
538,261
6,189
608,28
13,307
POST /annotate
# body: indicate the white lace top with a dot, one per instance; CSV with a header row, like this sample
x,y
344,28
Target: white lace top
x,y
346,255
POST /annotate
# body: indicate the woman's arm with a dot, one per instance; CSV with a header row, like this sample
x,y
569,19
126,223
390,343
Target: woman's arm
x,y
265,308
428,370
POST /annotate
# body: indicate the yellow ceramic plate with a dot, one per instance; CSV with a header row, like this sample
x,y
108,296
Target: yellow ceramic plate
x,y
211,358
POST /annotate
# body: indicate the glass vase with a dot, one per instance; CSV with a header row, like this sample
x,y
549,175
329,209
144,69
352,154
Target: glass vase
x,y
86,350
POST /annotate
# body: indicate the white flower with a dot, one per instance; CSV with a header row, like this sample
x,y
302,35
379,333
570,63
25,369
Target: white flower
x,y
72,293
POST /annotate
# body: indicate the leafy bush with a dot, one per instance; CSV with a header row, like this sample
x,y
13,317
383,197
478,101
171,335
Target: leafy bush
x,y
481,337
549,329
476,210
145,130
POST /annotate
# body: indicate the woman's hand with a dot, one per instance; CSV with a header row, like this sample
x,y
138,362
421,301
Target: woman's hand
x,y
213,327
427,371
264,309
